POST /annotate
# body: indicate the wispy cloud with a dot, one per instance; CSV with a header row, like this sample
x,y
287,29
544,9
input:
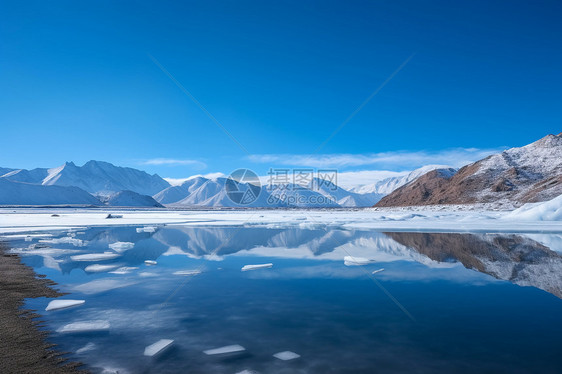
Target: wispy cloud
x,y
399,160
175,162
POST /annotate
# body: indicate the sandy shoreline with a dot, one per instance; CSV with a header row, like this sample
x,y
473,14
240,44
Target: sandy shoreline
x,y
23,348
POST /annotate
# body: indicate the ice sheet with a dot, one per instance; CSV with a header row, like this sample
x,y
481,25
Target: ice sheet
x,y
121,246
158,347
286,355
356,261
95,256
97,268
62,304
85,326
225,350
256,267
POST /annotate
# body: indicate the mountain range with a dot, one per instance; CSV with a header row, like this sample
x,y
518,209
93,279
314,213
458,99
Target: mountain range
x,y
532,173
511,178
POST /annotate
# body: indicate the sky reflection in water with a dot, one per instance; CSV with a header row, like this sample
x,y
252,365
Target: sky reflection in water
x,y
465,293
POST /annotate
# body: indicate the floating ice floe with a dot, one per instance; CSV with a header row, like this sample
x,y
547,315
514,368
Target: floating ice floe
x,y
124,270
258,266
356,261
97,268
286,355
378,271
158,347
150,262
95,256
62,304
235,348
146,229
66,240
85,326
246,371
38,246
121,246
101,285
88,347
187,272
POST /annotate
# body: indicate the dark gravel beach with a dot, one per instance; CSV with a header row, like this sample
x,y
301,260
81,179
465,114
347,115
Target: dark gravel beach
x,y
23,348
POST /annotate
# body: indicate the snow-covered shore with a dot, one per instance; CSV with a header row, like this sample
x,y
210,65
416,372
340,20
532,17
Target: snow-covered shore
x,y
541,217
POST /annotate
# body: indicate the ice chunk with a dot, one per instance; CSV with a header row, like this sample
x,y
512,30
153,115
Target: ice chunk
x,y
95,256
97,268
187,272
124,270
88,347
28,238
65,240
146,229
224,350
378,271
150,262
246,371
61,304
286,355
101,285
356,261
85,326
158,347
255,267
121,246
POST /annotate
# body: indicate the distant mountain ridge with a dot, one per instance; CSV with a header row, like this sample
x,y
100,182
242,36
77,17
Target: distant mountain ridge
x,y
95,183
96,177
531,173
201,191
387,185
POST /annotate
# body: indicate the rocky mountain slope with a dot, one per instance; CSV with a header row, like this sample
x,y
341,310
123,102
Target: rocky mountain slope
x,y
516,176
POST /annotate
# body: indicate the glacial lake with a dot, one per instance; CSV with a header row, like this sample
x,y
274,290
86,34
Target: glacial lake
x,y
462,303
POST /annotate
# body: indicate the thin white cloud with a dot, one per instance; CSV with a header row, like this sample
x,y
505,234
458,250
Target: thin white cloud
x,y
175,162
399,160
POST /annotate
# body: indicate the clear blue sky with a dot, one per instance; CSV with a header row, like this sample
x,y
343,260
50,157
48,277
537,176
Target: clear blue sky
x,y
77,82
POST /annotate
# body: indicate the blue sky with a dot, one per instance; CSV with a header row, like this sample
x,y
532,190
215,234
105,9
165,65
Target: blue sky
x,y
78,82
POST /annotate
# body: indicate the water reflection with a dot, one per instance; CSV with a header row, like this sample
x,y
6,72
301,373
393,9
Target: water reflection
x,y
515,258
525,260
309,302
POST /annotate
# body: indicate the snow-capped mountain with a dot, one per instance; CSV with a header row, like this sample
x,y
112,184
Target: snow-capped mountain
x,y
173,194
386,186
201,191
17,193
96,177
131,199
343,197
34,176
516,176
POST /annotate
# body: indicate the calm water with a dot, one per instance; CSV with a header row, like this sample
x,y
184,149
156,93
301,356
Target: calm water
x,y
463,303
